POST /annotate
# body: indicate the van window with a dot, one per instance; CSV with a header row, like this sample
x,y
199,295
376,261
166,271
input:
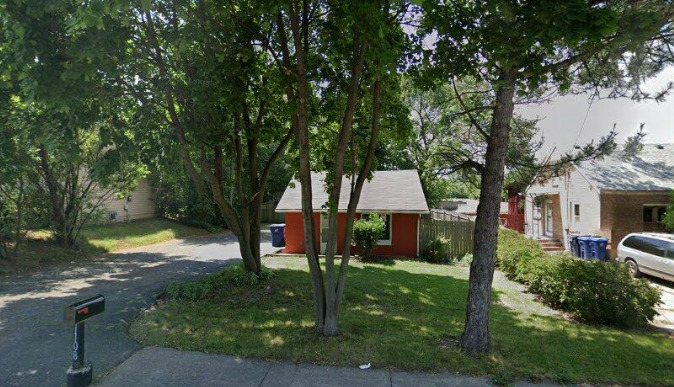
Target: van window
x,y
632,242
654,246
670,250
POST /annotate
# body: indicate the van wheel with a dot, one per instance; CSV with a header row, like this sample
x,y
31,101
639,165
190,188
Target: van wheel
x,y
634,268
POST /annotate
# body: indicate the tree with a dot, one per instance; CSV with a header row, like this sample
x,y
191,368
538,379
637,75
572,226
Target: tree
x,y
18,197
449,149
634,144
523,49
70,127
329,52
196,76
668,219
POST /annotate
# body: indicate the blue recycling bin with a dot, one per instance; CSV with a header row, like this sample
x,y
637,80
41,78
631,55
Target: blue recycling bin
x,y
583,247
574,245
598,248
277,237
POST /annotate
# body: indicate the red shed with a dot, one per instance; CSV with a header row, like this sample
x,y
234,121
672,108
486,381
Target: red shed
x,y
396,195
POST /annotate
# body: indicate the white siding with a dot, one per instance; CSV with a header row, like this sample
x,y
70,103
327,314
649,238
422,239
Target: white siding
x,y
573,187
587,195
141,206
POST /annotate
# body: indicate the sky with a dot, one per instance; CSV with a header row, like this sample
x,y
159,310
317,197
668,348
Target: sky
x,y
561,120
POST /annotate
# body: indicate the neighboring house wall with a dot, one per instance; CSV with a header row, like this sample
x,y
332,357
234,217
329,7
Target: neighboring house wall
x,y
612,214
622,213
404,229
582,192
564,191
141,206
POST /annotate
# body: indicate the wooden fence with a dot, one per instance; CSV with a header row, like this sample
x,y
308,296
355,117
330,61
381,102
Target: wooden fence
x,y
459,231
268,215
450,216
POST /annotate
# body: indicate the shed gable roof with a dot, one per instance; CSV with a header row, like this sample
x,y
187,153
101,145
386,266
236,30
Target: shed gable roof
x,y
650,170
387,191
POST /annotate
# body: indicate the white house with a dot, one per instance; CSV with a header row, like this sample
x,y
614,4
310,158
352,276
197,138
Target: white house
x,y
610,197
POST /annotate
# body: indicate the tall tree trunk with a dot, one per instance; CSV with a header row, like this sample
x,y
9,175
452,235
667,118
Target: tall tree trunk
x,y
475,338
254,230
357,188
60,224
301,129
331,327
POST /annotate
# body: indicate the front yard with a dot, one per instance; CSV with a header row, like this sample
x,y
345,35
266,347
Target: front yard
x,y
406,315
39,252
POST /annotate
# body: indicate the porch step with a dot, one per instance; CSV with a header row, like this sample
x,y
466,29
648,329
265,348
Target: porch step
x,y
551,245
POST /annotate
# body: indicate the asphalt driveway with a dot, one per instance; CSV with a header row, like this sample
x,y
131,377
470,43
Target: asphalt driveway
x,y
35,345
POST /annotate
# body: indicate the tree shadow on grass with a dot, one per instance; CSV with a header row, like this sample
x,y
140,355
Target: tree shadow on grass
x,y
395,318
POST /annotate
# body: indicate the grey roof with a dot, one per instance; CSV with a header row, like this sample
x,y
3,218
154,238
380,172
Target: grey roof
x,y
466,206
387,191
650,170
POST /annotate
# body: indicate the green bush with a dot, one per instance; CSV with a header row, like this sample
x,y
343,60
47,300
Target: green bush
x,y
266,273
604,293
595,292
366,232
188,290
235,275
668,220
437,251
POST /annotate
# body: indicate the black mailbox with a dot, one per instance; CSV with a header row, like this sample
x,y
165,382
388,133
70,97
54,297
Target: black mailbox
x,y
80,373
82,310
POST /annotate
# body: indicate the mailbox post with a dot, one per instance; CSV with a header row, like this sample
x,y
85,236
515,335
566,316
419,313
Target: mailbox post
x,y
80,373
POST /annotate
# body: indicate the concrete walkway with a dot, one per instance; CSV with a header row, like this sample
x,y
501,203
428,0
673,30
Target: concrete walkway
x,y
166,367
665,317
35,345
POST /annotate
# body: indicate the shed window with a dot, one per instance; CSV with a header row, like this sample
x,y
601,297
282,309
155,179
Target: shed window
x,y
576,209
654,214
387,235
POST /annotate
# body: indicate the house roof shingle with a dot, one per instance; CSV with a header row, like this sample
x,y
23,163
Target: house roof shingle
x,y
387,191
652,169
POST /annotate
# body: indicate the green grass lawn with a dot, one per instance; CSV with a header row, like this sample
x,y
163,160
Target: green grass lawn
x,y
38,251
406,315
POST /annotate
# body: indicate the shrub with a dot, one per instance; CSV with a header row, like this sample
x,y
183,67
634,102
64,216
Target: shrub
x,y
604,293
595,292
437,251
366,232
188,290
234,275
668,220
266,273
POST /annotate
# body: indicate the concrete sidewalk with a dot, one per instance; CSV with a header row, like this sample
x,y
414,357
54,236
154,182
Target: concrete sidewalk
x,y
153,366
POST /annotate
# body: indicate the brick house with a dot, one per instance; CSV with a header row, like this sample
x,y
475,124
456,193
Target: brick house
x,y
610,197
396,195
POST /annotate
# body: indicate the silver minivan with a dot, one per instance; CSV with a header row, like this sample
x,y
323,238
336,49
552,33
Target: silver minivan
x,y
649,253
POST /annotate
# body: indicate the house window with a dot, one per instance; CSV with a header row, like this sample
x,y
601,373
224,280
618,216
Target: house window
x,y
387,235
575,212
654,213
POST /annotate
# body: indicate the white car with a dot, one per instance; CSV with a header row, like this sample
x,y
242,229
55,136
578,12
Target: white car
x,y
649,253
